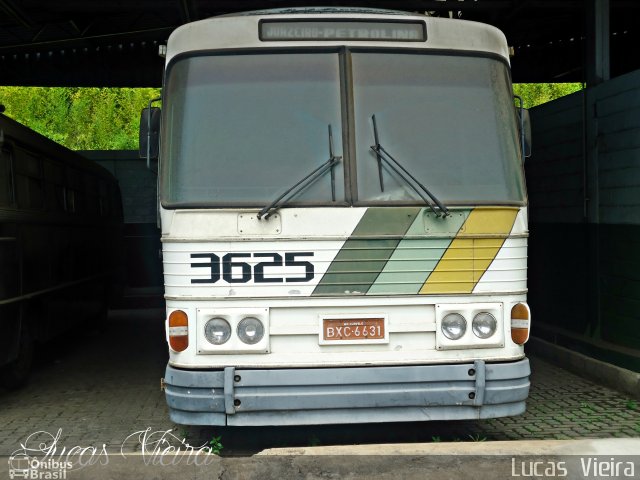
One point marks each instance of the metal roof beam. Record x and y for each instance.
(187, 11)
(16, 13)
(83, 40)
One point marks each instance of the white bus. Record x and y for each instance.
(344, 220)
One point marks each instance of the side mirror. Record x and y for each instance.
(149, 134)
(524, 126)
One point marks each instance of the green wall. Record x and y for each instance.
(584, 193)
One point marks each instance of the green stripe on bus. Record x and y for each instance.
(366, 252)
(416, 256)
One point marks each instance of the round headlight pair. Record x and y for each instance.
(454, 325)
(218, 331)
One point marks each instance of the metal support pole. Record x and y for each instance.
(598, 54)
(597, 72)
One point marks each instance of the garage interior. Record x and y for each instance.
(583, 178)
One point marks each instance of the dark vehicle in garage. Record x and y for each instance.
(60, 229)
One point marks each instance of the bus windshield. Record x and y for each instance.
(238, 130)
(450, 120)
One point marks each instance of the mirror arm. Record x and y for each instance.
(522, 135)
(151, 102)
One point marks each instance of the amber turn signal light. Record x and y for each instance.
(520, 323)
(178, 331)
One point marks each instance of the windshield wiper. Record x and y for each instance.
(267, 211)
(383, 155)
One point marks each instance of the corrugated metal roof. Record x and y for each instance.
(114, 42)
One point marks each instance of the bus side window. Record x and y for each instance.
(28, 178)
(54, 181)
(91, 194)
(5, 178)
(103, 194)
(74, 197)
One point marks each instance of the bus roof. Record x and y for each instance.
(317, 10)
(243, 31)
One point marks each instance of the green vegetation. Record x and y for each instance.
(80, 118)
(107, 118)
(184, 433)
(215, 445)
(534, 94)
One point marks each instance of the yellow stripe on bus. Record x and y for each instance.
(472, 251)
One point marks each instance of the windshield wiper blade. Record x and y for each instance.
(316, 173)
(333, 172)
(379, 157)
(383, 155)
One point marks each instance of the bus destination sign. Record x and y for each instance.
(405, 31)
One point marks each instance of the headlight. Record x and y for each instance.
(453, 326)
(250, 330)
(217, 331)
(484, 325)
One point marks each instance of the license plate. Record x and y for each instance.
(353, 330)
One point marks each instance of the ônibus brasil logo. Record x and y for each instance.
(23, 466)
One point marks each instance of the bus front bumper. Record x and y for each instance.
(305, 396)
